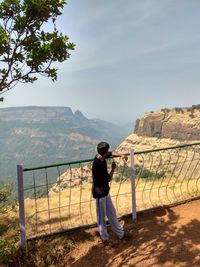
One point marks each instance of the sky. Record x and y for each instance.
(131, 57)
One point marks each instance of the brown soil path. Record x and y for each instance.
(167, 237)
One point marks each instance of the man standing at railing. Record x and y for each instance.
(100, 191)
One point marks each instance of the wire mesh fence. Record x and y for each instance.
(167, 176)
(58, 197)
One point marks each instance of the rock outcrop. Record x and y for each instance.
(179, 123)
(72, 177)
(164, 128)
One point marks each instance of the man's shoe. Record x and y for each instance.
(125, 237)
(105, 242)
(108, 243)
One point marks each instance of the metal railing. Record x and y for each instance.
(58, 197)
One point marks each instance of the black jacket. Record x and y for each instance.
(100, 177)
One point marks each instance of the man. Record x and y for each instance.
(100, 191)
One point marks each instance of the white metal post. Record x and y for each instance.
(134, 215)
(21, 204)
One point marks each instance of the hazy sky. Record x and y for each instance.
(131, 56)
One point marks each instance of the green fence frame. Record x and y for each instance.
(56, 198)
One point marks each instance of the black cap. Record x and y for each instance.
(102, 148)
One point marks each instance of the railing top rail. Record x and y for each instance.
(166, 148)
(57, 165)
(90, 160)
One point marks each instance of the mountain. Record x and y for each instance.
(48, 135)
(178, 123)
(165, 127)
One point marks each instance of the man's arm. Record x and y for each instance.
(124, 157)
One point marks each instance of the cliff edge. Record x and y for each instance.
(178, 123)
(165, 127)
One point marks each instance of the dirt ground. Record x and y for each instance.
(164, 237)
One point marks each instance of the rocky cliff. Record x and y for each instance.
(179, 123)
(166, 127)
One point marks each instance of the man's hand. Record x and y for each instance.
(125, 158)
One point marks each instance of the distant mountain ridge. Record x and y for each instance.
(47, 135)
(42, 114)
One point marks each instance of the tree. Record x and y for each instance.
(26, 49)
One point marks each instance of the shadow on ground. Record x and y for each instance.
(159, 238)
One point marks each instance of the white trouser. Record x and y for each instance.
(105, 208)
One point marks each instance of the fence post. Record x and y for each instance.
(134, 215)
(21, 204)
